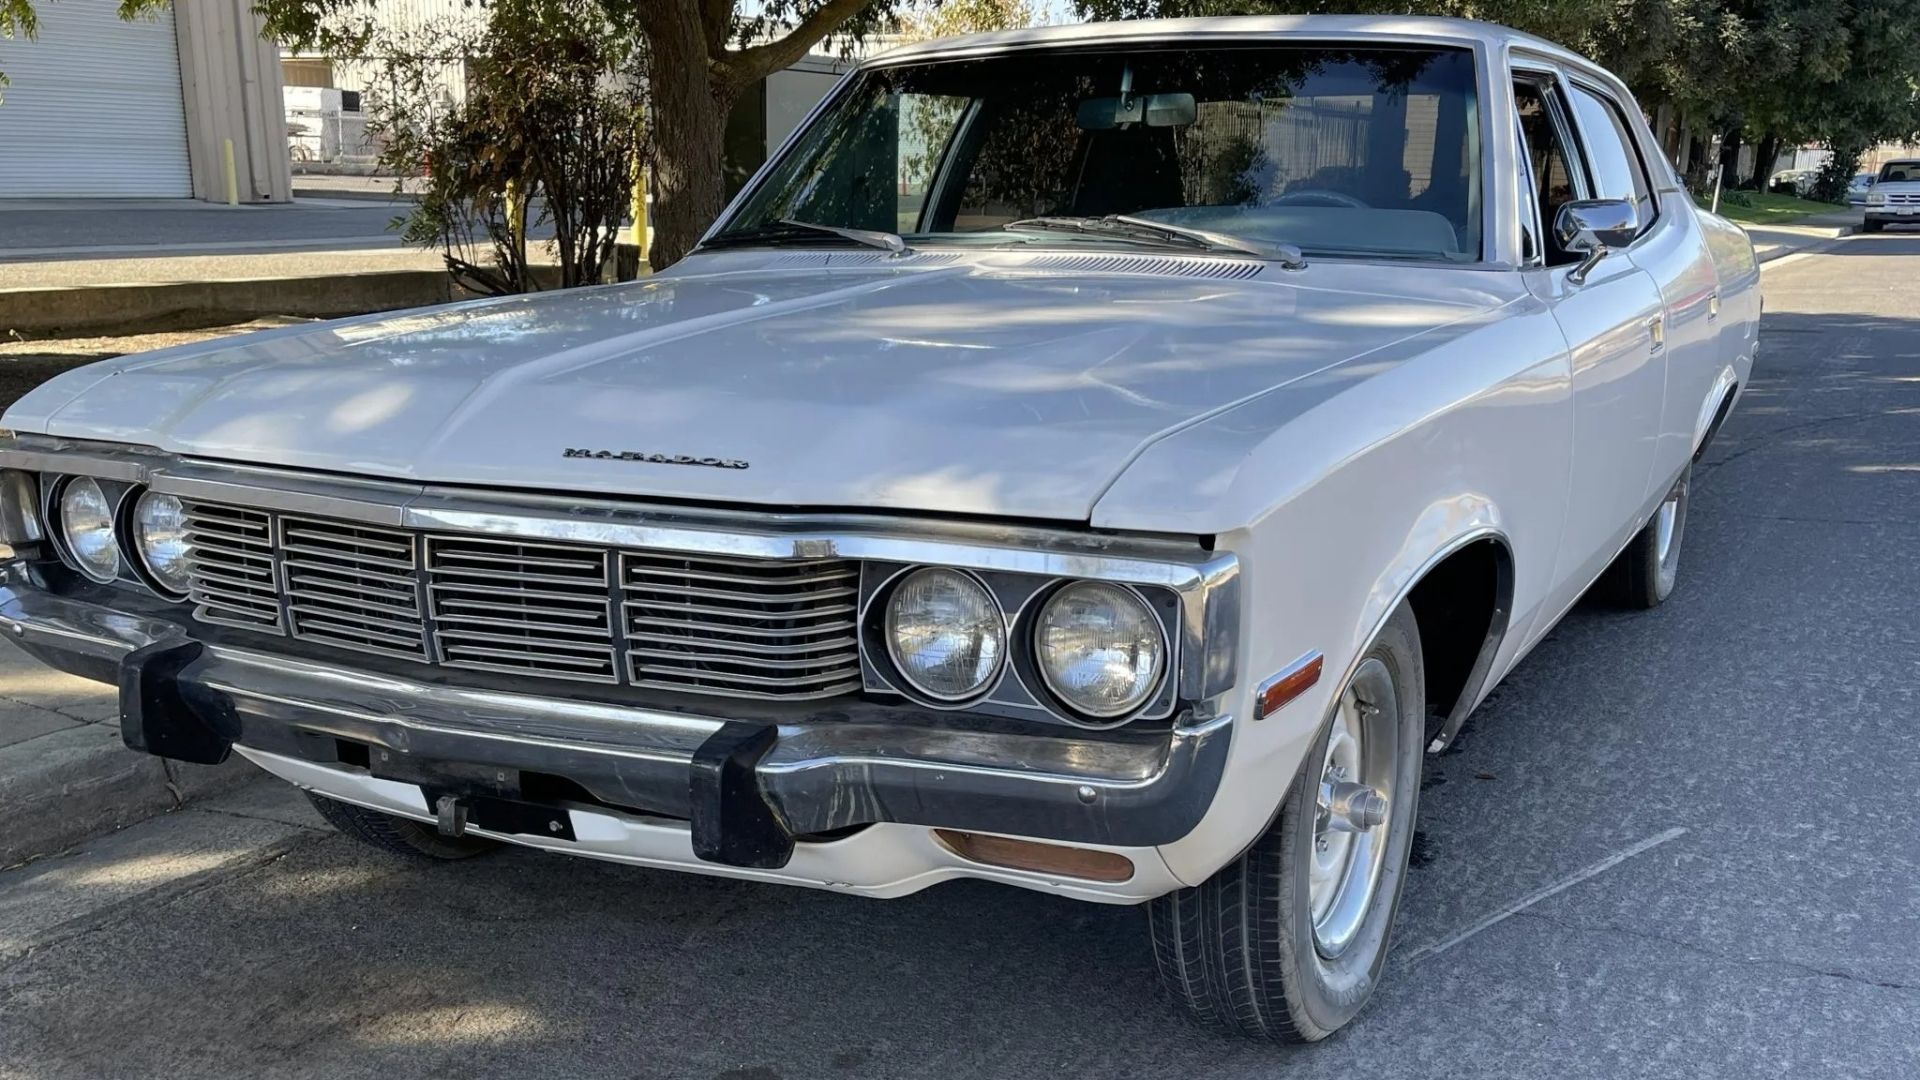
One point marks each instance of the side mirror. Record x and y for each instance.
(1593, 227)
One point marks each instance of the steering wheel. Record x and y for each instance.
(1319, 197)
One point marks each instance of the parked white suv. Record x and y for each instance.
(1895, 196)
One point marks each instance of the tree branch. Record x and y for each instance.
(750, 65)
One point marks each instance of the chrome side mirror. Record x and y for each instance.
(1593, 227)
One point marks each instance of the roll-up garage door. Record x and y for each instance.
(94, 108)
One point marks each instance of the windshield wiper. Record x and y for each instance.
(788, 228)
(1286, 255)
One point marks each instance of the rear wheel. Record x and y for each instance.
(1645, 573)
(397, 834)
(1287, 941)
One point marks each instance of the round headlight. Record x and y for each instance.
(1099, 648)
(945, 634)
(86, 522)
(160, 536)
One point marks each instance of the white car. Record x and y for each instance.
(1894, 198)
(1098, 459)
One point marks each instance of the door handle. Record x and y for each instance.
(1713, 306)
(1657, 328)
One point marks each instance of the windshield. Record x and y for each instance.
(1371, 152)
(1896, 172)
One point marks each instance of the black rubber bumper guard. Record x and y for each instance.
(168, 715)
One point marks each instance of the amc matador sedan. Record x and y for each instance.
(1100, 459)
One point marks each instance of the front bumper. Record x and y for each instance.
(845, 800)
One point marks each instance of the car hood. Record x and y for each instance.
(1007, 385)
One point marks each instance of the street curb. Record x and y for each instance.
(85, 310)
(358, 196)
(1784, 250)
(66, 786)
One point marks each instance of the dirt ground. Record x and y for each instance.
(26, 363)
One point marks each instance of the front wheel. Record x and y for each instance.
(1872, 226)
(1287, 942)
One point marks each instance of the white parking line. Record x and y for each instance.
(1426, 952)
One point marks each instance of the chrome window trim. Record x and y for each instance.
(1207, 582)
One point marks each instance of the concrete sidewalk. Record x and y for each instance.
(1777, 241)
(65, 775)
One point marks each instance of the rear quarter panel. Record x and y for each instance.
(1741, 302)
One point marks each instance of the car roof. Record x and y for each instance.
(1387, 28)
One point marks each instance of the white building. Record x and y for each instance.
(101, 107)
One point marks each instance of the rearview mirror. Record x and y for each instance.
(1153, 110)
(1592, 227)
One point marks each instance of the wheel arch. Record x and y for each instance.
(1463, 604)
(1714, 409)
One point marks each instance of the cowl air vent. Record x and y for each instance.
(818, 260)
(1156, 265)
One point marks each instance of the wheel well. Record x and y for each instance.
(1461, 607)
(1719, 417)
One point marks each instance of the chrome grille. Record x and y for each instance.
(524, 608)
(763, 628)
(745, 627)
(231, 562)
(353, 586)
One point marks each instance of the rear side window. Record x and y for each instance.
(1615, 164)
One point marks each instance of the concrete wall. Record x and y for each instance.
(231, 82)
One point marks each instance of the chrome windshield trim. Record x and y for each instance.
(1207, 581)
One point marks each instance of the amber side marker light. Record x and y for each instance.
(1297, 679)
(1013, 854)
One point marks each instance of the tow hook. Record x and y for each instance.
(451, 816)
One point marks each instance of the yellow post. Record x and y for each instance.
(233, 180)
(639, 197)
(516, 213)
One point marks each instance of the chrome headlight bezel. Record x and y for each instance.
(1876, 198)
(106, 520)
(1184, 619)
(1154, 631)
(141, 551)
(996, 626)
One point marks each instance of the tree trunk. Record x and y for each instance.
(1730, 159)
(689, 126)
(1763, 161)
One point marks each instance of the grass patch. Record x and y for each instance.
(1769, 209)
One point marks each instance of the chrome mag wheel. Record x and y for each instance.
(1669, 525)
(1354, 805)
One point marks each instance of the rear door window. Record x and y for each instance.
(1614, 162)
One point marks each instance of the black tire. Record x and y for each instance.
(1238, 952)
(397, 834)
(1640, 578)
(1872, 226)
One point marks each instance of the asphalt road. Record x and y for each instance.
(1676, 844)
